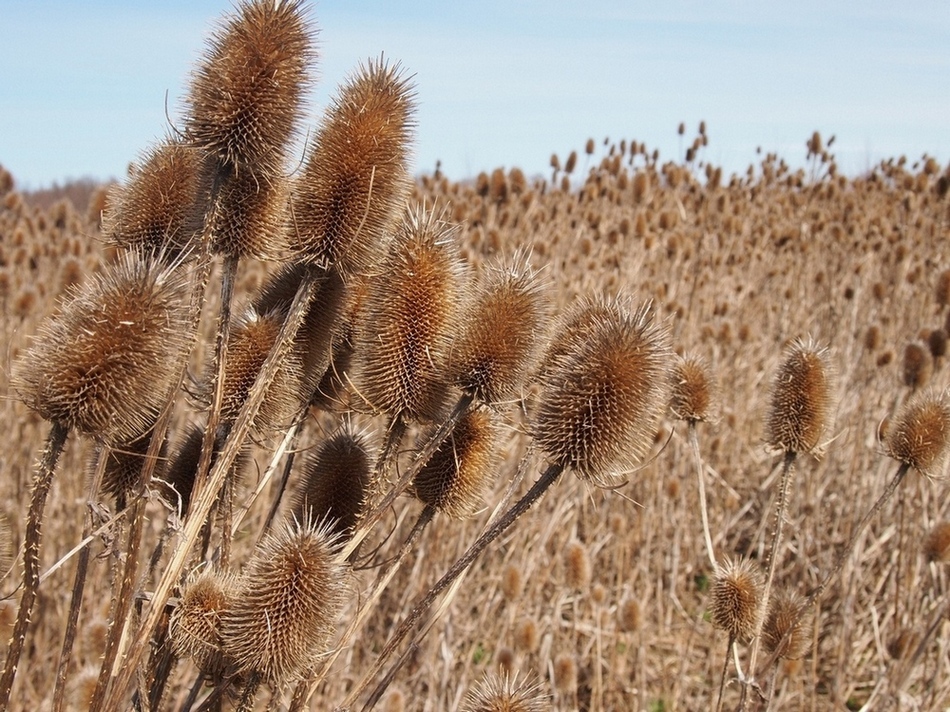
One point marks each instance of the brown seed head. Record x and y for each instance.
(409, 321)
(692, 388)
(158, 207)
(246, 96)
(628, 615)
(527, 636)
(937, 544)
(252, 338)
(577, 567)
(605, 383)
(736, 595)
(103, 363)
(335, 481)
(565, 672)
(919, 433)
(512, 582)
(942, 290)
(178, 480)
(291, 598)
(783, 616)
(801, 403)
(251, 216)
(504, 693)
(455, 478)
(124, 466)
(503, 334)
(355, 180)
(937, 342)
(195, 625)
(917, 366)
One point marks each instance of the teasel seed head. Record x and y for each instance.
(251, 217)
(919, 433)
(917, 365)
(335, 481)
(124, 466)
(178, 479)
(512, 582)
(321, 325)
(410, 319)
(252, 338)
(505, 693)
(457, 475)
(692, 389)
(605, 384)
(103, 363)
(628, 615)
(246, 96)
(158, 209)
(577, 566)
(736, 598)
(195, 624)
(291, 598)
(801, 403)
(565, 673)
(355, 180)
(503, 334)
(936, 546)
(785, 617)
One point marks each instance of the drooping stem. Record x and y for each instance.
(548, 478)
(79, 583)
(31, 556)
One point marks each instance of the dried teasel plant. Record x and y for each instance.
(195, 624)
(103, 365)
(506, 693)
(603, 391)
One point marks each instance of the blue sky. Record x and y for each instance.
(505, 83)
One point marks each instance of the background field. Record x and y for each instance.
(602, 594)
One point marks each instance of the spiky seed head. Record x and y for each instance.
(577, 567)
(917, 365)
(292, 595)
(565, 672)
(605, 384)
(512, 582)
(251, 216)
(103, 363)
(527, 635)
(801, 402)
(787, 617)
(252, 338)
(158, 208)
(457, 475)
(736, 598)
(246, 96)
(355, 180)
(937, 343)
(335, 481)
(919, 433)
(628, 615)
(503, 334)
(321, 324)
(178, 479)
(195, 624)
(505, 693)
(410, 320)
(124, 466)
(692, 388)
(936, 546)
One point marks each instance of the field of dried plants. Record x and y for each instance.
(653, 329)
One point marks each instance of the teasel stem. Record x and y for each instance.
(42, 481)
(548, 478)
(788, 465)
(842, 557)
(704, 511)
(79, 583)
(725, 669)
(206, 493)
(250, 692)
